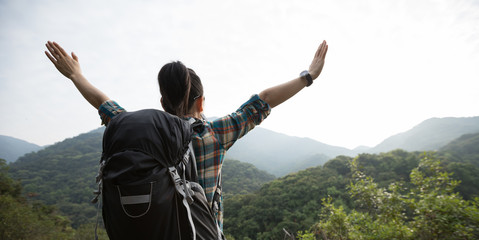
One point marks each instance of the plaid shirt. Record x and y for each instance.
(212, 143)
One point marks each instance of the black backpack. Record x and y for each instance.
(148, 180)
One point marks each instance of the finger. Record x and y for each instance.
(57, 53)
(52, 52)
(62, 51)
(325, 51)
(50, 57)
(49, 47)
(318, 51)
(321, 48)
(74, 56)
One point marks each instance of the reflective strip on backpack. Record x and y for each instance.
(135, 199)
(138, 199)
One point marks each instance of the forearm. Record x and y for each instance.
(92, 94)
(276, 95)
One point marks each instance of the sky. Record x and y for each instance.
(390, 64)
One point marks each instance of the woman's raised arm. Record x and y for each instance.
(280, 93)
(70, 68)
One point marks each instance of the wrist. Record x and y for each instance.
(75, 76)
(306, 76)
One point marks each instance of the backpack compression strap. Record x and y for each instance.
(217, 195)
(184, 189)
(99, 182)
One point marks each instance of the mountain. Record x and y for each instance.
(11, 148)
(432, 134)
(280, 154)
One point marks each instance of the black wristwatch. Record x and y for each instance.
(305, 74)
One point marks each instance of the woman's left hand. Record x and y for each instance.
(318, 61)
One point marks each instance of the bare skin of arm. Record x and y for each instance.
(70, 68)
(276, 95)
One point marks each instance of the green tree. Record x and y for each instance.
(439, 212)
(429, 210)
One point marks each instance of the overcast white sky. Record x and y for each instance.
(390, 64)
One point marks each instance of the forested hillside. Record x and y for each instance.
(461, 157)
(242, 178)
(63, 175)
(294, 202)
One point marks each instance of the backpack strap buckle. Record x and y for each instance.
(181, 185)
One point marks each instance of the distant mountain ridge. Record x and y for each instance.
(431, 134)
(281, 154)
(12, 148)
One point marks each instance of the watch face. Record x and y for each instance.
(305, 74)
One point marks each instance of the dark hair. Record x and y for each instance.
(179, 88)
(174, 81)
(196, 89)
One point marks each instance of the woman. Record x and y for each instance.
(182, 95)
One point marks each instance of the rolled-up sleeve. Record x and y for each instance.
(108, 110)
(234, 126)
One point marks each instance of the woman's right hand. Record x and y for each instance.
(66, 65)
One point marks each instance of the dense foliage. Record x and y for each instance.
(430, 209)
(23, 219)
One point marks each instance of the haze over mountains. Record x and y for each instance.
(280, 154)
(11, 148)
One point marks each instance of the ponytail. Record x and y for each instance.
(175, 84)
